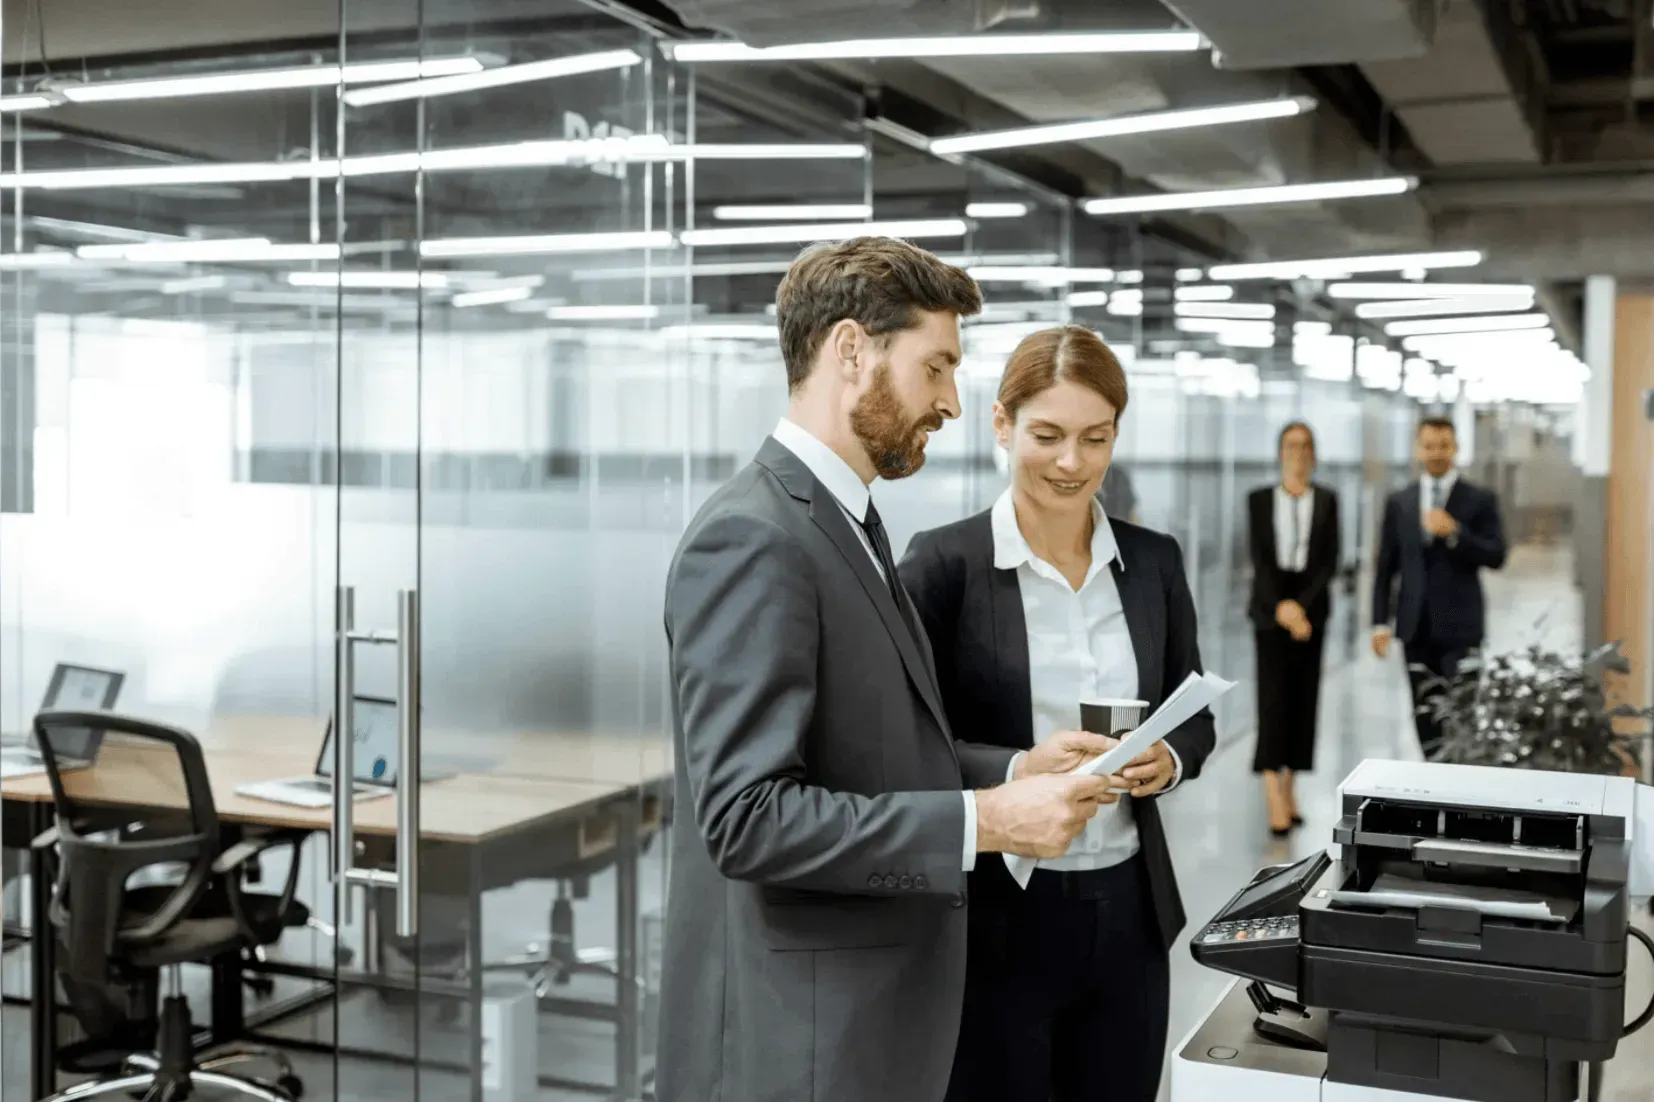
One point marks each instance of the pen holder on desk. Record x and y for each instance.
(1112, 715)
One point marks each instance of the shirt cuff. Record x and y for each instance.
(1011, 766)
(970, 831)
(1177, 769)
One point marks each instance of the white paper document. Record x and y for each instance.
(1197, 691)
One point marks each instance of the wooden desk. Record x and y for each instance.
(551, 799)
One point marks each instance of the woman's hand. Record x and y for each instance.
(1150, 771)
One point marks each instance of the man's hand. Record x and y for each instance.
(1038, 816)
(1381, 642)
(1291, 616)
(1061, 752)
(1439, 524)
(1150, 771)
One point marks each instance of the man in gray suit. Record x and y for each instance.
(826, 818)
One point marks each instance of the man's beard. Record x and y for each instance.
(889, 437)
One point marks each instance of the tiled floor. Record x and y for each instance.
(1217, 831)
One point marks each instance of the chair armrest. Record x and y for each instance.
(233, 859)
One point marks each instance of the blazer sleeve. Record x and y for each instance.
(937, 587)
(1326, 567)
(1481, 539)
(742, 621)
(1195, 738)
(1260, 520)
(1388, 562)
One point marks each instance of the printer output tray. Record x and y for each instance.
(1564, 942)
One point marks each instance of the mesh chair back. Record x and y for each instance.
(130, 795)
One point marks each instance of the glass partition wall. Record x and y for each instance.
(384, 391)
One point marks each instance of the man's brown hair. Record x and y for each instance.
(880, 282)
(1070, 352)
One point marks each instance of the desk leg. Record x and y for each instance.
(229, 1009)
(42, 965)
(628, 1007)
(473, 1016)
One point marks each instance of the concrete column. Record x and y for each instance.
(1629, 575)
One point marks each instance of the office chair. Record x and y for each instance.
(130, 795)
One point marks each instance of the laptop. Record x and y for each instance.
(375, 762)
(75, 689)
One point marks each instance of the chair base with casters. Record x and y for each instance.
(174, 1070)
(557, 961)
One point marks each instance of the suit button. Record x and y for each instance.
(906, 881)
(958, 900)
(921, 883)
(890, 881)
(875, 881)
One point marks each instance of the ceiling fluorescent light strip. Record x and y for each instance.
(1439, 307)
(986, 45)
(26, 101)
(491, 297)
(504, 75)
(1497, 324)
(266, 80)
(1412, 290)
(382, 281)
(996, 210)
(1251, 196)
(1147, 123)
(617, 312)
(642, 147)
(1348, 265)
(823, 231)
(1254, 311)
(1043, 274)
(780, 212)
(532, 244)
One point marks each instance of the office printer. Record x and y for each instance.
(1465, 937)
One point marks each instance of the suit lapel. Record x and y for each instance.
(1010, 644)
(1263, 519)
(831, 519)
(1136, 600)
(1412, 526)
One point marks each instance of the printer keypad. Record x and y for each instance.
(1251, 929)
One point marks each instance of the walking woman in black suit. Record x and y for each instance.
(1295, 546)
(1031, 607)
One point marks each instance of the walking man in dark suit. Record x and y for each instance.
(826, 817)
(1436, 535)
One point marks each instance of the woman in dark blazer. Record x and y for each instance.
(1031, 607)
(1293, 536)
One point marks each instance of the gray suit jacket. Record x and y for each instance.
(815, 933)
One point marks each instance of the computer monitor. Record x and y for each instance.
(79, 689)
(375, 754)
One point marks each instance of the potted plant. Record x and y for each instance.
(1537, 709)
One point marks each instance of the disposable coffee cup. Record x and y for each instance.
(1113, 716)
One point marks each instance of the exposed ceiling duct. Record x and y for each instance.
(1555, 243)
(772, 22)
(1459, 102)
(1278, 34)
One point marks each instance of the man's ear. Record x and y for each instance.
(845, 341)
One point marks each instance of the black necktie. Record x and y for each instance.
(874, 527)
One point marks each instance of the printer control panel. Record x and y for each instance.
(1281, 928)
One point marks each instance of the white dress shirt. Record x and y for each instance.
(1079, 647)
(853, 496)
(1292, 520)
(1441, 487)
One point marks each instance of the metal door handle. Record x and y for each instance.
(344, 741)
(407, 766)
(405, 880)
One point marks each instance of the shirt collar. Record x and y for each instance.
(828, 466)
(1445, 483)
(1011, 550)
